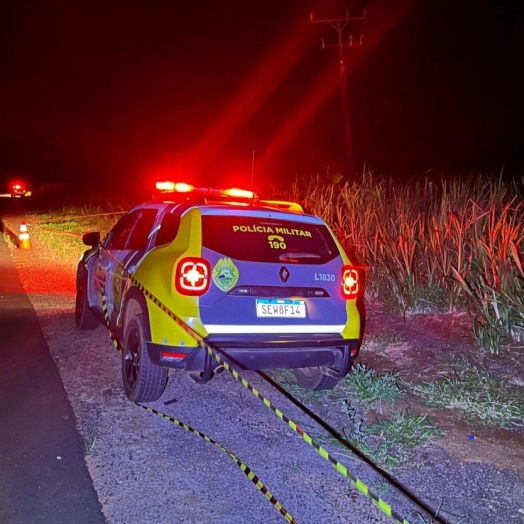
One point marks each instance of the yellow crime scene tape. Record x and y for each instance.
(218, 355)
(250, 474)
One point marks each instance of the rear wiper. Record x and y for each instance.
(287, 256)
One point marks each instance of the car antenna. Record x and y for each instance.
(252, 169)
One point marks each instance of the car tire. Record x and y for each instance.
(143, 381)
(84, 317)
(314, 379)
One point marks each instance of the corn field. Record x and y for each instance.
(434, 246)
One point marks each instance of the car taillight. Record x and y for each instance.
(192, 276)
(350, 282)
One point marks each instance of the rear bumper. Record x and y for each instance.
(260, 352)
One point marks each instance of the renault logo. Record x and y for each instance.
(284, 274)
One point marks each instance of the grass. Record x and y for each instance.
(292, 471)
(388, 441)
(405, 429)
(476, 394)
(368, 389)
(90, 445)
(57, 230)
(381, 487)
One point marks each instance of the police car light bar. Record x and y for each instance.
(242, 194)
(239, 193)
(165, 186)
(181, 187)
(293, 207)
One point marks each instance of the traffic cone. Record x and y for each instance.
(23, 239)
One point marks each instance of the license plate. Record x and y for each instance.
(281, 308)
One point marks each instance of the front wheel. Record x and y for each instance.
(143, 381)
(314, 379)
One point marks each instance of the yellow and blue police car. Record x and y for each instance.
(264, 283)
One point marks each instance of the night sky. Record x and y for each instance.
(140, 90)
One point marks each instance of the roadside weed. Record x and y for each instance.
(389, 441)
(488, 335)
(62, 232)
(381, 487)
(368, 388)
(90, 444)
(476, 394)
(294, 470)
(405, 429)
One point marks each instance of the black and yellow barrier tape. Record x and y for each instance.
(114, 340)
(248, 472)
(218, 355)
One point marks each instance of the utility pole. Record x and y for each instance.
(339, 24)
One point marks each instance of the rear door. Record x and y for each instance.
(272, 272)
(121, 253)
(137, 244)
(107, 259)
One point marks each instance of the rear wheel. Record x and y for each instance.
(314, 379)
(84, 317)
(143, 381)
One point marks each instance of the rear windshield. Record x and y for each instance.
(268, 240)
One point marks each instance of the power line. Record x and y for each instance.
(339, 24)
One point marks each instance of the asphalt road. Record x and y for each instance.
(43, 476)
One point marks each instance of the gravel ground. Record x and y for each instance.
(146, 470)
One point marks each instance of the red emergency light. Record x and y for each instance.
(181, 187)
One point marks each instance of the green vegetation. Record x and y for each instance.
(62, 230)
(369, 389)
(391, 437)
(376, 423)
(90, 445)
(476, 394)
(434, 246)
(381, 487)
(389, 441)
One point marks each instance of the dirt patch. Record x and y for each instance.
(421, 348)
(502, 449)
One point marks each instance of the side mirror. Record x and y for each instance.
(91, 239)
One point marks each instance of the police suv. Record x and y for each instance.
(261, 282)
